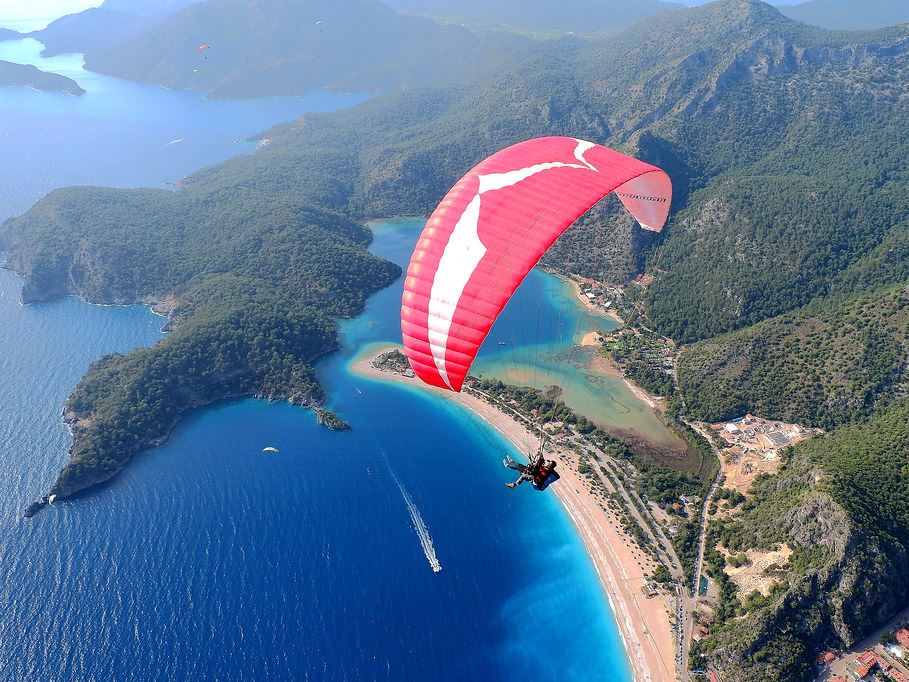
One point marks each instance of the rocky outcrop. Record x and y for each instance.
(854, 581)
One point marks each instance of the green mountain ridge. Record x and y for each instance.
(290, 47)
(824, 365)
(103, 27)
(787, 145)
(26, 75)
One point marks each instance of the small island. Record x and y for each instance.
(28, 76)
(330, 420)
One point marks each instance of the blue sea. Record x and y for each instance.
(207, 559)
(122, 134)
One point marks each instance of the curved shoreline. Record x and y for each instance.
(644, 624)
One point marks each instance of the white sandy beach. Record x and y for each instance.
(622, 568)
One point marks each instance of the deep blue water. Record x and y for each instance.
(121, 134)
(209, 560)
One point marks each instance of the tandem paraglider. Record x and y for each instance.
(540, 472)
(489, 232)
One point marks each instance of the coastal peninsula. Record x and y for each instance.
(28, 76)
(240, 324)
(778, 291)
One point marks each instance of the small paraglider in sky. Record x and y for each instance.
(319, 23)
(270, 449)
(195, 72)
(204, 47)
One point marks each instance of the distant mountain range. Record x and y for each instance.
(295, 46)
(576, 15)
(289, 47)
(98, 28)
(850, 14)
(600, 15)
(783, 270)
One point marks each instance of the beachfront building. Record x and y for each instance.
(866, 666)
(902, 637)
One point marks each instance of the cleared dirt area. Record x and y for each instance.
(751, 445)
(752, 576)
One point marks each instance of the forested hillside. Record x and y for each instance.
(787, 146)
(256, 284)
(103, 27)
(290, 47)
(27, 76)
(788, 149)
(841, 503)
(827, 364)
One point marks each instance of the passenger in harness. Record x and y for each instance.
(540, 472)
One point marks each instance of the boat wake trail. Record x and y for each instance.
(420, 527)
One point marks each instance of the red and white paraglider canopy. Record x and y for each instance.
(493, 227)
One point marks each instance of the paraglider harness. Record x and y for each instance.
(543, 473)
(539, 472)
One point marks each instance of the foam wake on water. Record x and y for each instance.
(419, 526)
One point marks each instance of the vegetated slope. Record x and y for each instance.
(842, 504)
(787, 146)
(257, 286)
(103, 27)
(290, 47)
(763, 123)
(26, 75)
(94, 28)
(575, 15)
(714, 94)
(826, 364)
(808, 177)
(850, 15)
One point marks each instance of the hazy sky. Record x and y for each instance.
(30, 15)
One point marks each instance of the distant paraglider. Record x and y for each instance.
(270, 449)
(204, 47)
